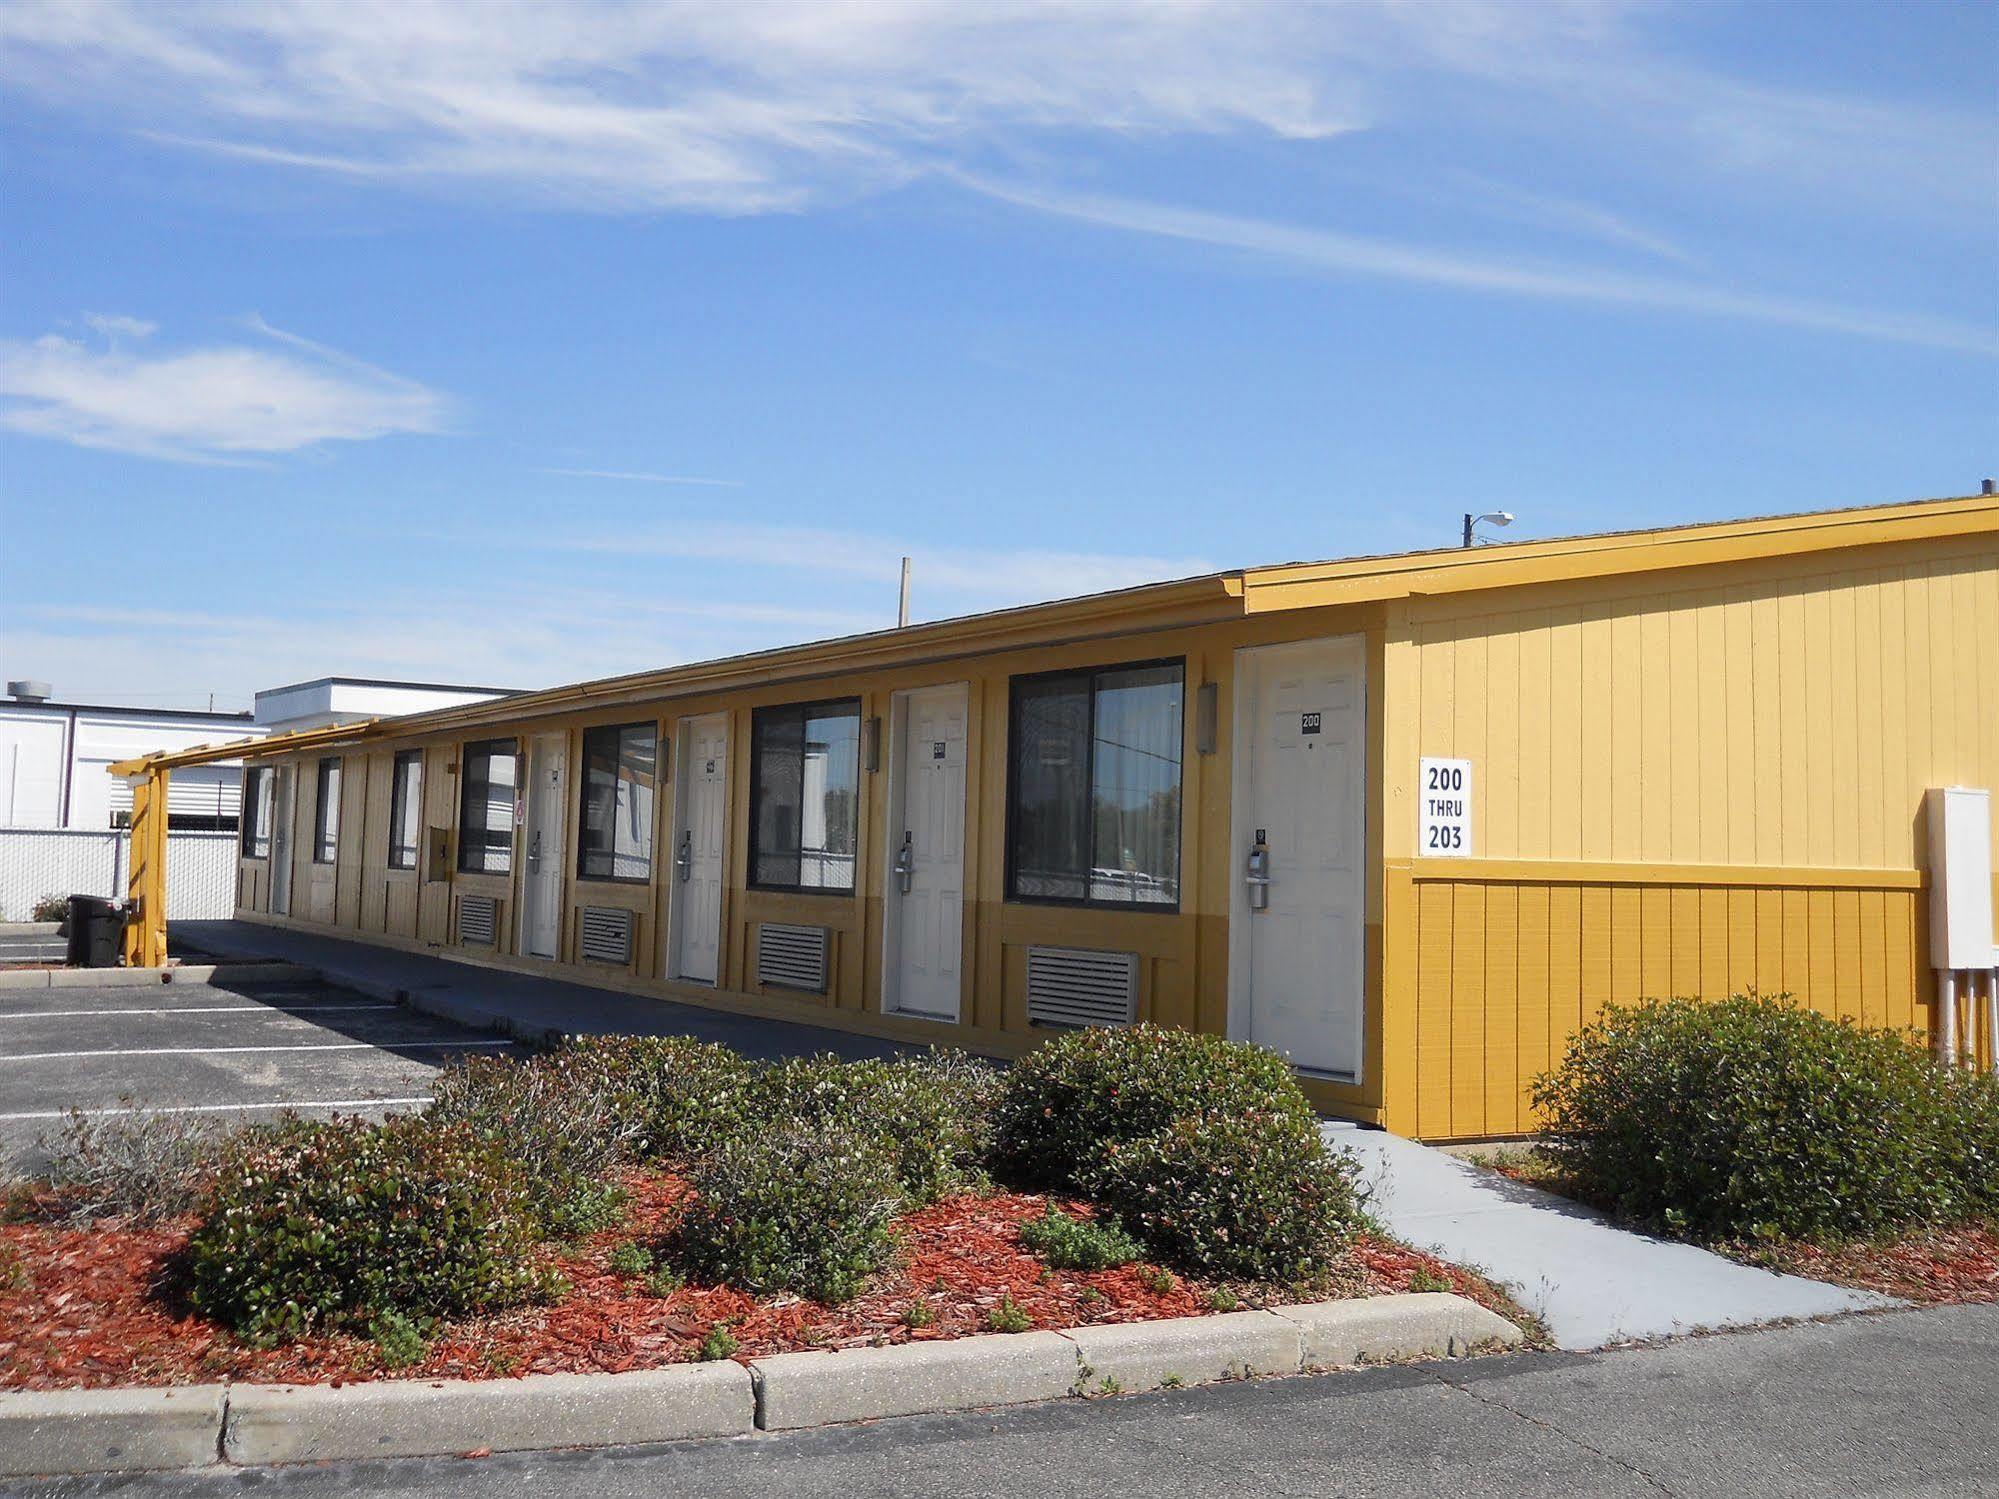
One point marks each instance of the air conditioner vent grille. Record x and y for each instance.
(607, 935)
(793, 957)
(478, 915)
(1069, 987)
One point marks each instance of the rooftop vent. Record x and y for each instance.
(29, 692)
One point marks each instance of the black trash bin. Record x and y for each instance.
(96, 929)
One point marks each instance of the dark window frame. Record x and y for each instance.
(397, 805)
(512, 745)
(320, 854)
(1090, 674)
(618, 730)
(805, 710)
(258, 788)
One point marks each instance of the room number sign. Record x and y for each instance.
(1443, 800)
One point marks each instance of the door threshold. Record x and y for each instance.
(923, 1015)
(1326, 1074)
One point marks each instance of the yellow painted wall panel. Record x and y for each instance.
(1435, 929)
(1502, 1011)
(1466, 1001)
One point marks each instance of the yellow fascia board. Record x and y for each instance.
(1580, 872)
(234, 749)
(1513, 564)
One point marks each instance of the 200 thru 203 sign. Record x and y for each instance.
(1443, 801)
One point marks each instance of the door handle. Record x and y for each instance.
(534, 852)
(684, 860)
(905, 863)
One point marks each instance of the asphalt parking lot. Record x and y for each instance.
(229, 1049)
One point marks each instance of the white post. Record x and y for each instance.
(902, 609)
(1992, 1020)
(1947, 1017)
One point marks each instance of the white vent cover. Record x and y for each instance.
(793, 956)
(477, 915)
(1068, 986)
(607, 935)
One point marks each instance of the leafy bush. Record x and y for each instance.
(930, 1116)
(562, 1117)
(398, 1341)
(343, 1221)
(142, 1167)
(1071, 1243)
(790, 1210)
(630, 1260)
(1254, 1195)
(1069, 1102)
(676, 1097)
(1754, 1118)
(51, 908)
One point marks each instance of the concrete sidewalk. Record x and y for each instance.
(1591, 1282)
(516, 1004)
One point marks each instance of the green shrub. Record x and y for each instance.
(676, 1096)
(1254, 1195)
(799, 1210)
(1071, 1243)
(1757, 1118)
(563, 1118)
(398, 1341)
(631, 1261)
(716, 1344)
(343, 1221)
(13, 1270)
(930, 1116)
(51, 908)
(1066, 1104)
(1009, 1315)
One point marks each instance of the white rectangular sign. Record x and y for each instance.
(1443, 801)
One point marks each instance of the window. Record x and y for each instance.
(326, 813)
(405, 809)
(1093, 801)
(804, 791)
(486, 806)
(256, 839)
(619, 762)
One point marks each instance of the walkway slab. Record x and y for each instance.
(1591, 1282)
(523, 1005)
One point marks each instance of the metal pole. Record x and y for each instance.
(902, 609)
(1467, 541)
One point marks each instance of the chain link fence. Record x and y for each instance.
(34, 862)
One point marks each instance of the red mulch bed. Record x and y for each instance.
(100, 1305)
(1935, 1267)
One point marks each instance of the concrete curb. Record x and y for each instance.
(110, 1431)
(129, 1430)
(1131, 1356)
(146, 978)
(1379, 1330)
(314, 1423)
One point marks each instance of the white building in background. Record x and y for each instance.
(53, 759)
(308, 705)
(53, 755)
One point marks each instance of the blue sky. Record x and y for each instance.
(523, 344)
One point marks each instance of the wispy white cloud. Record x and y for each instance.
(971, 578)
(641, 478)
(222, 404)
(1333, 252)
(721, 106)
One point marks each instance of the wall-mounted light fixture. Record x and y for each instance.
(871, 744)
(1207, 711)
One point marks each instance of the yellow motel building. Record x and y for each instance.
(1410, 820)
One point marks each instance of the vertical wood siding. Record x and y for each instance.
(1507, 971)
(1789, 720)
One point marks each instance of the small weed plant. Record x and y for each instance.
(1009, 1316)
(1070, 1243)
(399, 1342)
(716, 1344)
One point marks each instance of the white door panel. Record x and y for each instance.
(925, 927)
(1300, 767)
(285, 808)
(701, 818)
(547, 850)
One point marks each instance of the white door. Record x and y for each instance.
(541, 892)
(925, 898)
(700, 834)
(1296, 962)
(284, 808)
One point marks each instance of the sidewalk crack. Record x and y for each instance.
(1564, 1433)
